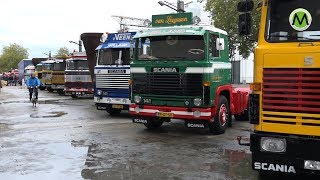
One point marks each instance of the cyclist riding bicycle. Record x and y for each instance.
(33, 84)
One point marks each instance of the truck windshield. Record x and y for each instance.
(29, 71)
(77, 65)
(59, 66)
(180, 47)
(48, 66)
(39, 68)
(293, 21)
(114, 57)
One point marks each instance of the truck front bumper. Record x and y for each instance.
(78, 91)
(119, 103)
(57, 87)
(176, 112)
(298, 152)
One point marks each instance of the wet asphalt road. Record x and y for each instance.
(65, 138)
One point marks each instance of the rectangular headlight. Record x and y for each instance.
(273, 144)
(312, 165)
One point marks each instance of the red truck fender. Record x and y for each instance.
(222, 90)
(238, 98)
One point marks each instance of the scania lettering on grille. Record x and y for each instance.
(117, 71)
(274, 167)
(175, 70)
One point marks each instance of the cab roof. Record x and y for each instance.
(178, 30)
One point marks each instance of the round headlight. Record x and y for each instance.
(273, 144)
(137, 109)
(197, 102)
(197, 114)
(137, 99)
(187, 103)
(99, 92)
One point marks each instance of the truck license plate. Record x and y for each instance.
(165, 114)
(115, 106)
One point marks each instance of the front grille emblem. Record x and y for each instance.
(308, 61)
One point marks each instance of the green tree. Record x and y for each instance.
(225, 16)
(62, 52)
(11, 56)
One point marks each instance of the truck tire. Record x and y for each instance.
(154, 123)
(60, 92)
(74, 96)
(113, 111)
(50, 89)
(242, 117)
(222, 117)
(42, 88)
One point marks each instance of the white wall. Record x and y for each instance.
(246, 68)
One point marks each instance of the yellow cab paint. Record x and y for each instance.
(284, 55)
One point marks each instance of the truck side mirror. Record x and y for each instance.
(244, 24)
(131, 52)
(245, 6)
(220, 44)
(131, 48)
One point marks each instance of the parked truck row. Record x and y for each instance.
(179, 69)
(168, 71)
(68, 76)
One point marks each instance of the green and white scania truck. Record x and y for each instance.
(181, 70)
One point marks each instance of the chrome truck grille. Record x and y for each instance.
(112, 81)
(173, 84)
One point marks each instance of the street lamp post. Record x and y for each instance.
(79, 44)
(179, 7)
(49, 55)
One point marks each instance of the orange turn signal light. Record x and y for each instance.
(255, 86)
(206, 83)
(129, 81)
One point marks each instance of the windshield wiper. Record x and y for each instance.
(148, 58)
(290, 36)
(172, 58)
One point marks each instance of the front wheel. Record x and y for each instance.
(113, 111)
(154, 123)
(222, 117)
(74, 96)
(60, 92)
(242, 117)
(50, 90)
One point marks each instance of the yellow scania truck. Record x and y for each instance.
(285, 94)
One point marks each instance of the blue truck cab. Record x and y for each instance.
(112, 73)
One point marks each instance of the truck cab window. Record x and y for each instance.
(213, 48)
(114, 57)
(293, 21)
(171, 47)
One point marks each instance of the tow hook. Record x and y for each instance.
(239, 138)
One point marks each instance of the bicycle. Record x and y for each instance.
(34, 97)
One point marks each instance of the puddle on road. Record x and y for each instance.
(60, 101)
(4, 127)
(48, 114)
(239, 164)
(53, 161)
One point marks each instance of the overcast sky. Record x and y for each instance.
(41, 25)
